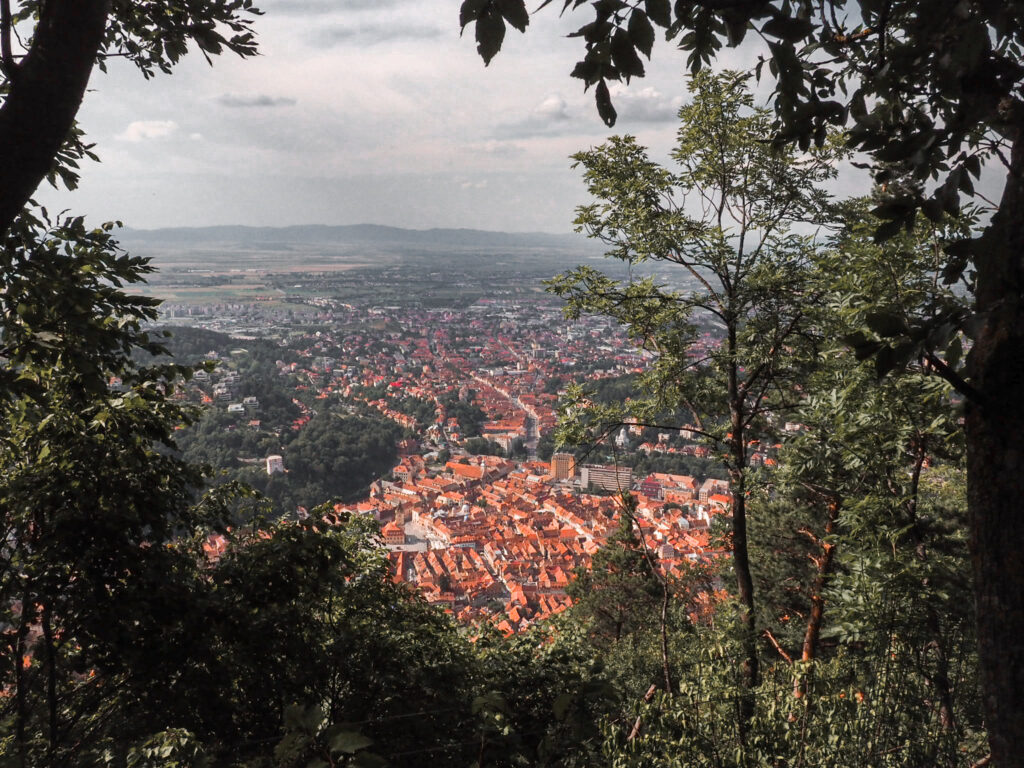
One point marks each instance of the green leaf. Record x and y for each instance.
(886, 323)
(562, 704)
(604, 104)
(514, 12)
(736, 26)
(350, 742)
(862, 347)
(933, 209)
(954, 352)
(293, 716)
(887, 230)
(312, 718)
(641, 33)
(624, 55)
(490, 33)
(489, 702)
(788, 28)
(659, 11)
(470, 11)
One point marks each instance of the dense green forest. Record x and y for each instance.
(871, 611)
(334, 456)
(470, 417)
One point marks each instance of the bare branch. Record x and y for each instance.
(767, 634)
(958, 383)
(639, 718)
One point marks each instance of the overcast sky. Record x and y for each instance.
(361, 111)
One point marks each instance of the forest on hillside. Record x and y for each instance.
(336, 455)
(871, 610)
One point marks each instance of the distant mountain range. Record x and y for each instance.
(354, 234)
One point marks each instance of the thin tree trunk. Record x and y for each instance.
(741, 563)
(940, 679)
(638, 723)
(824, 563)
(666, 667)
(51, 684)
(947, 715)
(995, 469)
(46, 90)
(20, 683)
(744, 581)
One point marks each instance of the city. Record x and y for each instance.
(494, 538)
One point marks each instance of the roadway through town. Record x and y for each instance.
(532, 434)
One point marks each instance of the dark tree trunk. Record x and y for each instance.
(940, 678)
(995, 469)
(21, 679)
(51, 685)
(46, 90)
(741, 564)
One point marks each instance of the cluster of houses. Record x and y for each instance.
(494, 540)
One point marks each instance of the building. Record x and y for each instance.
(608, 478)
(651, 488)
(712, 486)
(275, 464)
(563, 466)
(392, 534)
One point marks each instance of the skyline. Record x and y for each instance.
(372, 113)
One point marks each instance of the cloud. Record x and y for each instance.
(254, 100)
(550, 117)
(145, 130)
(372, 34)
(319, 7)
(645, 105)
(493, 148)
(552, 108)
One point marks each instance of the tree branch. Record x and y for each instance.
(39, 112)
(775, 644)
(639, 718)
(673, 427)
(958, 383)
(8, 66)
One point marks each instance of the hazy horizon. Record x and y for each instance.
(362, 112)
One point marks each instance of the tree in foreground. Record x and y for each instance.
(858, 549)
(928, 94)
(87, 500)
(44, 78)
(126, 639)
(724, 222)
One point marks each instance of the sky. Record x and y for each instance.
(363, 111)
